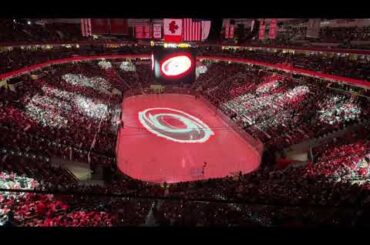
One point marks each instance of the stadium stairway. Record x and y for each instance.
(307, 145)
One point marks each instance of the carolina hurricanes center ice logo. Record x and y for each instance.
(175, 125)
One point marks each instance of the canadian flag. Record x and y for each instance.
(172, 30)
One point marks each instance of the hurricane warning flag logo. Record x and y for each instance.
(175, 125)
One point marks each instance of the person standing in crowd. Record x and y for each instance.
(204, 168)
(10, 221)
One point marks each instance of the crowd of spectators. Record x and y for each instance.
(337, 181)
(297, 33)
(344, 34)
(71, 110)
(17, 57)
(345, 157)
(23, 208)
(329, 64)
(335, 64)
(278, 109)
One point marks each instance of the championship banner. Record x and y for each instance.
(172, 30)
(273, 29)
(157, 31)
(86, 27)
(83, 28)
(225, 25)
(89, 30)
(229, 31)
(261, 34)
(119, 26)
(147, 31)
(206, 28)
(100, 26)
(139, 31)
(313, 28)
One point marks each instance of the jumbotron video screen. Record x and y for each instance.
(172, 66)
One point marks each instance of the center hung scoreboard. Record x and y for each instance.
(174, 65)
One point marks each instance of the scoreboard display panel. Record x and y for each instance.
(172, 65)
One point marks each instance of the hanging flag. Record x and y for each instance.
(157, 31)
(261, 34)
(225, 25)
(86, 27)
(139, 31)
(100, 26)
(252, 25)
(83, 31)
(229, 31)
(206, 28)
(273, 29)
(172, 29)
(147, 31)
(192, 30)
(313, 28)
(119, 26)
(83, 27)
(143, 31)
(89, 32)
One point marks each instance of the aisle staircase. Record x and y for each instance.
(311, 143)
